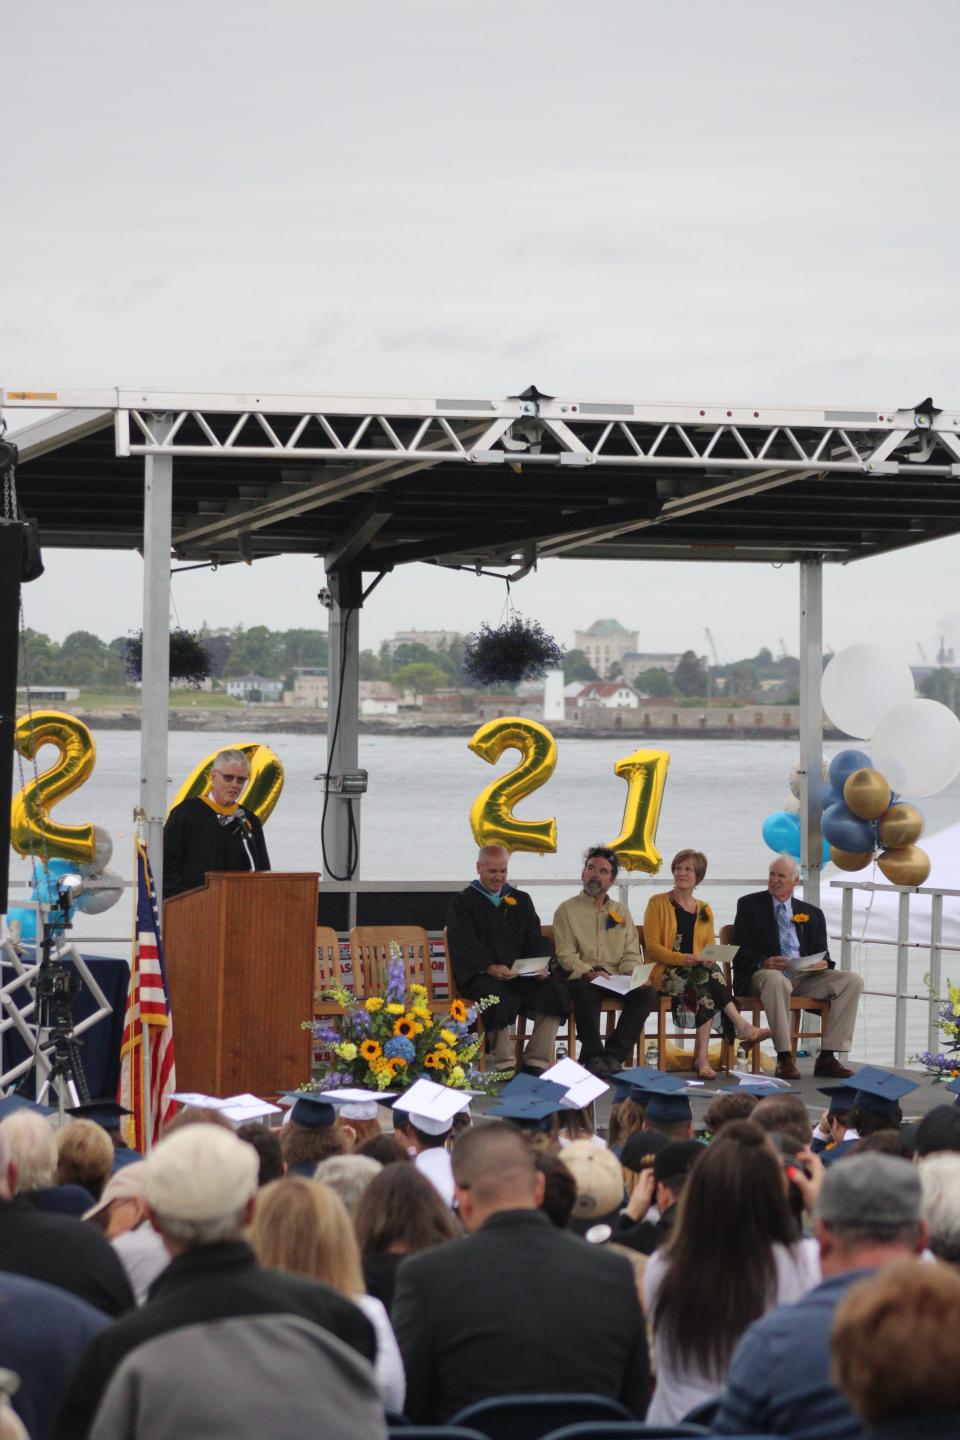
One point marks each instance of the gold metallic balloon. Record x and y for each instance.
(850, 859)
(645, 772)
(867, 794)
(905, 865)
(32, 832)
(262, 790)
(491, 815)
(902, 824)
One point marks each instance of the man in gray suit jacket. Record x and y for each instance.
(517, 1306)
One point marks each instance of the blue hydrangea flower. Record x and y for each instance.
(399, 1048)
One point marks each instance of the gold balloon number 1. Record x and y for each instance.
(494, 823)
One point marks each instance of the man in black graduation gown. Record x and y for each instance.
(213, 832)
(489, 926)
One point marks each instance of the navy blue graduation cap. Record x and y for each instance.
(667, 1099)
(10, 1104)
(311, 1109)
(530, 1103)
(758, 1090)
(106, 1113)
(633, 1084)
(880, 1090)
(842, 1097)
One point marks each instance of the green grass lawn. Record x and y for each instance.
(179, 700)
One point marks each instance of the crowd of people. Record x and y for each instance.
(767, 1274)
(736, 1276)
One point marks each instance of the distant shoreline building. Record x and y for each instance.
(432, 639)
(605, 644)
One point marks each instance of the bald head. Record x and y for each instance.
(494, 1169)
(492, 864)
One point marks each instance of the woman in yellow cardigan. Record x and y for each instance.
(676, 927)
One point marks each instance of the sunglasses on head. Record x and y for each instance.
(232, 779)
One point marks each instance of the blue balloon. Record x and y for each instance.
(28, 922)
(846, 831)
(829, 796)
(44, 884)
(843, 765)
(781, 831)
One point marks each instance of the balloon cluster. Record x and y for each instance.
(45, 889)
(861, 814)
(915, 745)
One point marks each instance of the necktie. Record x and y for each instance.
(784, 925)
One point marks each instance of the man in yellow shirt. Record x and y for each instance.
(595, 938)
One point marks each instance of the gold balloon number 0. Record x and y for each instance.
(33, 832)
(494, 823)
(262, 789)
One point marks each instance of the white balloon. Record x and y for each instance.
(791, 804)
(917, 747)
(860, 685)
(93, 901)
(102, 852)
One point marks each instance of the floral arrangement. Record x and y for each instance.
(386, 1042)
(189, 657)
(945, 1065)
(519, 650)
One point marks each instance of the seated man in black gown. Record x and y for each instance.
(213, 832)
(489, 926)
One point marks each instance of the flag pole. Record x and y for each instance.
(144, 1032)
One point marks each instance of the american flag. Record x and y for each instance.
(147, 1072)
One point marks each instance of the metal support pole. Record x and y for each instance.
(155, 689)
(903, 961)
(341, 826)
(846, 929)
(936, 958)
(811, 725)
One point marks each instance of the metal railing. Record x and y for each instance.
(903, 945)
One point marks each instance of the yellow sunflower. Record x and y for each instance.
(370, 1049)
(458, 1011)
(373, 1004)
(432, 1060)
(405, 1026)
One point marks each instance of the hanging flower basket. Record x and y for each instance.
(189, 658)
(519, 650)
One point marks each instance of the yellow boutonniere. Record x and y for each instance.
(799, 918)
(509, 899)
(705, 912)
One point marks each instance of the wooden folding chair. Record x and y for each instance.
(327, 972)
(370, 954)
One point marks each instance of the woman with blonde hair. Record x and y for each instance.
(676, 928)
(302, 1226)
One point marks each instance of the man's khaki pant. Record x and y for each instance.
(840, 987)
(540, 1047)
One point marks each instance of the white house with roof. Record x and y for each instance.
(605, 644)
(254, 689)
(610, 694)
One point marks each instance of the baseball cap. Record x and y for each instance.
(121, 1185)
(598, 1177)
(202, 1172)
(873, 1191)
(677, 1159)
(642, 1149)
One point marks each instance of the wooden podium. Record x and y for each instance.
(240, 954)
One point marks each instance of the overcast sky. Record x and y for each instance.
(742, 202)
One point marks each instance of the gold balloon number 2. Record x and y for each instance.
(32, 832)
(494, 823)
